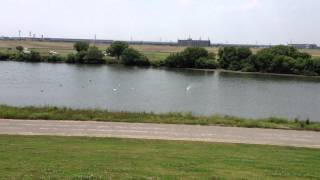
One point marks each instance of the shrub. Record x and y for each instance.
(79, 58)
(281, 64)
(285, 51)
(55, 59)
(110, 60)
(117, 48)
(205, 63)
(174, 60)
(212, 56)
(81, 46)
(232, 57)
(34, 56)
(191, 54)
(94, 56)
(262, 61)
(158, 63)
(71, 58)
(133, 57)
(4, 56)
(20, 48)
(187, 58)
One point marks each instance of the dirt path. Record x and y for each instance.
(162, 131)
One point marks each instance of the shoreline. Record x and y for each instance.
(63, 113)
(252, 73)
(193, 69)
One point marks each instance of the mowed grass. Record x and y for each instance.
(154, 52)
(55, 113)
(44, 157)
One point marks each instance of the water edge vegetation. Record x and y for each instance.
(56, 113)
(277, 59)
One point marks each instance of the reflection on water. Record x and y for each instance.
(120, 88)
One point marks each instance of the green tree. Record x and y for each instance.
(81, 46)
(117, 48)
(4, 56)
(34, 56)
(191, 54)
(232, 57)
(80, 57)
(281, 64)
(55, 58)
(94, 56)
(282, 50)
(205, 63)
(133, 57)
(71, 58)
(187, 58)
(174, 60)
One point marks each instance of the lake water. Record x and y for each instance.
(119, 88)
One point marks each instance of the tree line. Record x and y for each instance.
(278, 59)
(84, 54)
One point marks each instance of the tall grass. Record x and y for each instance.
(55, 113)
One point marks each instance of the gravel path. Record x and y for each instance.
(162, 131)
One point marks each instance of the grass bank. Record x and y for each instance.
(30, 157)
(55, 113)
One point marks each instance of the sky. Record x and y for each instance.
(221, 21)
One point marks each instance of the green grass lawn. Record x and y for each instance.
(156, 56)
(55, 113)
(43, 157)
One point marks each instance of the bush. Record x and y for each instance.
(212, 56)
(34, 56)
(191, 54)
(81, 46)
(110, 60)
(277, 59)
(117, 48)
(20, 48)
(79, 58)
(261, 61)
(205, 63)
(285, 51)
(232, 57)
(174, 60)
(281, 64)
(187, 58)
(4, 56)
(71, 58)
(158, 63)
(55, 59)
(94, 56)
(133, 57)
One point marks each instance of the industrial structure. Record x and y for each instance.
(188, 42)
(304, 46)
(197, 43)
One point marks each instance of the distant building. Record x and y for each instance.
(190, 42)
(304, 46)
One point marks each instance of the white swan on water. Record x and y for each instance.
(188, 88)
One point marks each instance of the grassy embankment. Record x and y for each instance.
(153, 52)
(53, 113)
(30, 157)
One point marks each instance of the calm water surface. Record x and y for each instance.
(119, 88)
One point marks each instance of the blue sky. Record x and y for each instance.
(232, 21)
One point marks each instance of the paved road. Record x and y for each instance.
(161, 131)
